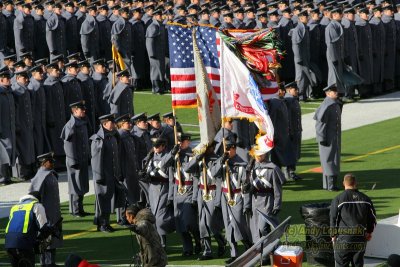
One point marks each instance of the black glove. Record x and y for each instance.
(141, 173)
(55, 52)
(150, 154)
(175, 149)
(217, 208)
(194, 204)
(170, 203)
(275, 211)
(323, 143)
(246, 187)
(76, 166)
(225, 157)
(248, 212)
(200, 157)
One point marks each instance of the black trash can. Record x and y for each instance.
(318, 248)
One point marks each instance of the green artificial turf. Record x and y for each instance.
(381, 168)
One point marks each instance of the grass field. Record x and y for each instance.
(371, 152)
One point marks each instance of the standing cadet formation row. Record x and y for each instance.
(57, 94)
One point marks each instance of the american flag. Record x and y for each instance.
(183, 80)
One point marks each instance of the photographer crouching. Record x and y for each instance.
(27, 227)
(142, 223)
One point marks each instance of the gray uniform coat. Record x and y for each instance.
(76, 147)
(46, 182)
(315, 46)
(139, 54)
(350, 44)
(236, 227)
(121, 99)
(156, 39)
(364, 37)
(41, 48)
(106, 170)
(90, 38)
(10, 31)
(104, 37)
(56, 34)
(7, 127)
(121, 36)
(390, 49)
(334, 40)
(38, 98)
(160, 191)
(55, 113)
(24, 33)
(72, 91)
(287, 72)
(324, 64)
(210, 218)
(378, 49)
(88, 94)
(23, 125)
(102, 92)
(295, 126)
(267, 179)
(71, 32)
(3, 40)
(129, 165)
(328, 131)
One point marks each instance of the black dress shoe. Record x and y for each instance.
(84, 213)
(333, 189)
(205, 257)
(106, 229)
(187, 253)
(197, 249)
(230, 260)
(295, 177)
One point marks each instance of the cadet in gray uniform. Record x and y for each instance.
(90, 35)
(46, 182)
(76, 147)
(88, 94)
(38, 100)
(56, 33)
(8, 12)
(295, 128)
(71, 85)
(287, 72)
(161, 194)
(3, 40)
(156, 43)
(106, 170)
(224, 132)
(7, 123)
(104, 33)
(235, 204)
(328, 131)
(266, 181)
(71, 28)
(121, 97)
(24, 30)
(390, 48)
(121, 36)
(102, 87)
(24, 126)
(185, 199)
(41, 49)
(207, 193)
(378, 49)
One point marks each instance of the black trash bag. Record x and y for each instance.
(319, 249)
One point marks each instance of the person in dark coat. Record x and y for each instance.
(148, 15)
(301, 52)
(41, 49)
(81, 14)
(328, 131)
(106, 170)
(287, 72)
(143, 146)
(23, 126)
(71, 85)
(121, 97)
(88, 94)
(317, 38)
(156, 39)
(351, 212)
(140, 59)
(266, 180)
(38, 103)
(250, 20)
(46, 183)
(279, 115)
(397, 69)
(121, 36)
(76, 147)
(55, 110)
(325, 20)
(185, 199)
(235, 204)
(351, 49)
(207, 194)
(378, 49)
(295, 128)
(104, 33)
(24, 30)
(364, 36)
(56, 33)
(71, 28)
(3, 40)
(334, 40)
(142, 224)
(160, 190)
(167, 130)
(7, 127)
(273, 18)
(8, 12)
(215, 15)
(90, 35)
(390, 48)
(102, 87)
(129, 164)
(227, 23)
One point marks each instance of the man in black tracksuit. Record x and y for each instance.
(352, 220)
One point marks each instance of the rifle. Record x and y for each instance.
(246, 186)
(46, 234)
(143, 175)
